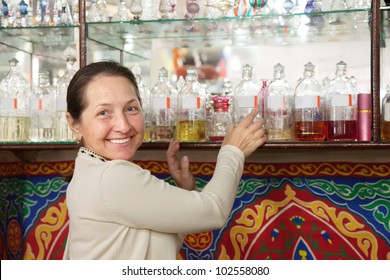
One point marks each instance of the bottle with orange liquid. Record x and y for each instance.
(309, 110)
(385, 116)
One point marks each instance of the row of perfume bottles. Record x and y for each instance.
(167, 9)
(45, 13)
(313, 111)
(38, 113)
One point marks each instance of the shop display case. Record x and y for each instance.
(357, 36)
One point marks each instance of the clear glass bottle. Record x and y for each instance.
(63, 132)
(309, 107)
(145, 99)
(341, 105)
(136, 9)
(43, 111)
(75, 12)
(221, 118)
(122, 13)
(93, 14)
(163, 100)
(246, 96)
(191, 109)
(14, 114)
(164, 8)
(385, 116)
(278, 107)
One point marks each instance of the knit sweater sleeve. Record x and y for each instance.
(134, 197)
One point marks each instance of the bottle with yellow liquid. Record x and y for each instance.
(163, 109)
(191, 110)
(14, 114)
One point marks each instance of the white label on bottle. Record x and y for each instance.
(9, 104)
(276, 102)
(191, 102)
(61, 104)
(341, 100)
(250, 101)
(386, 113)
(159, 103)
(37, 104)
(302, 102)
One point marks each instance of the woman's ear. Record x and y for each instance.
(74, 126)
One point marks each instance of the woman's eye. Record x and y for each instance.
(102, 113)
(132, 109)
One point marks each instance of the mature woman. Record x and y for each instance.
(117, 210)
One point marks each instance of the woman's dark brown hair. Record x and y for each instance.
(76, 88)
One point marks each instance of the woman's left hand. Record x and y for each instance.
(179, 168)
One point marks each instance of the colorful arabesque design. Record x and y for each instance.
(282, 211)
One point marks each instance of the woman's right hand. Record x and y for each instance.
(247, 135)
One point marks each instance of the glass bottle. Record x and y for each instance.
(191, 110)
(63, 132)
(309, 107)
(145, 99)
(341, 104)
(278, 107)
(43, 110)
(192, 8)
(164, 8)
(246, 96)
(163, 98)
(75, 12)
(385, 116)
(93, 14)
(14, 115)
(221, 118)
(136, 9)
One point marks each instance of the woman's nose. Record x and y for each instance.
(122, 123)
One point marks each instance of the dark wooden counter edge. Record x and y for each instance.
(208, 146)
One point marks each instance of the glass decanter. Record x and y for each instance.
(43, 110)
(336, 17)
(75, 12)
(278, 107)
(14, 115)
(164, 8)
(316, 20)
(191, 110)
(145, 99)
(385, 116)
(246, 96)
(63, 132)
(261, 7)
(341, 104)
(192, 8)
(163, 100)
(309, 110)
(94, 14)
(136, 9)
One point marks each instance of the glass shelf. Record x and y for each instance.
(136, 36)
(40, 40)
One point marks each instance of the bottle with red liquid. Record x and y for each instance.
(309, 109)
(341, 106)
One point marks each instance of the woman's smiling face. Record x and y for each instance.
(112, 123)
